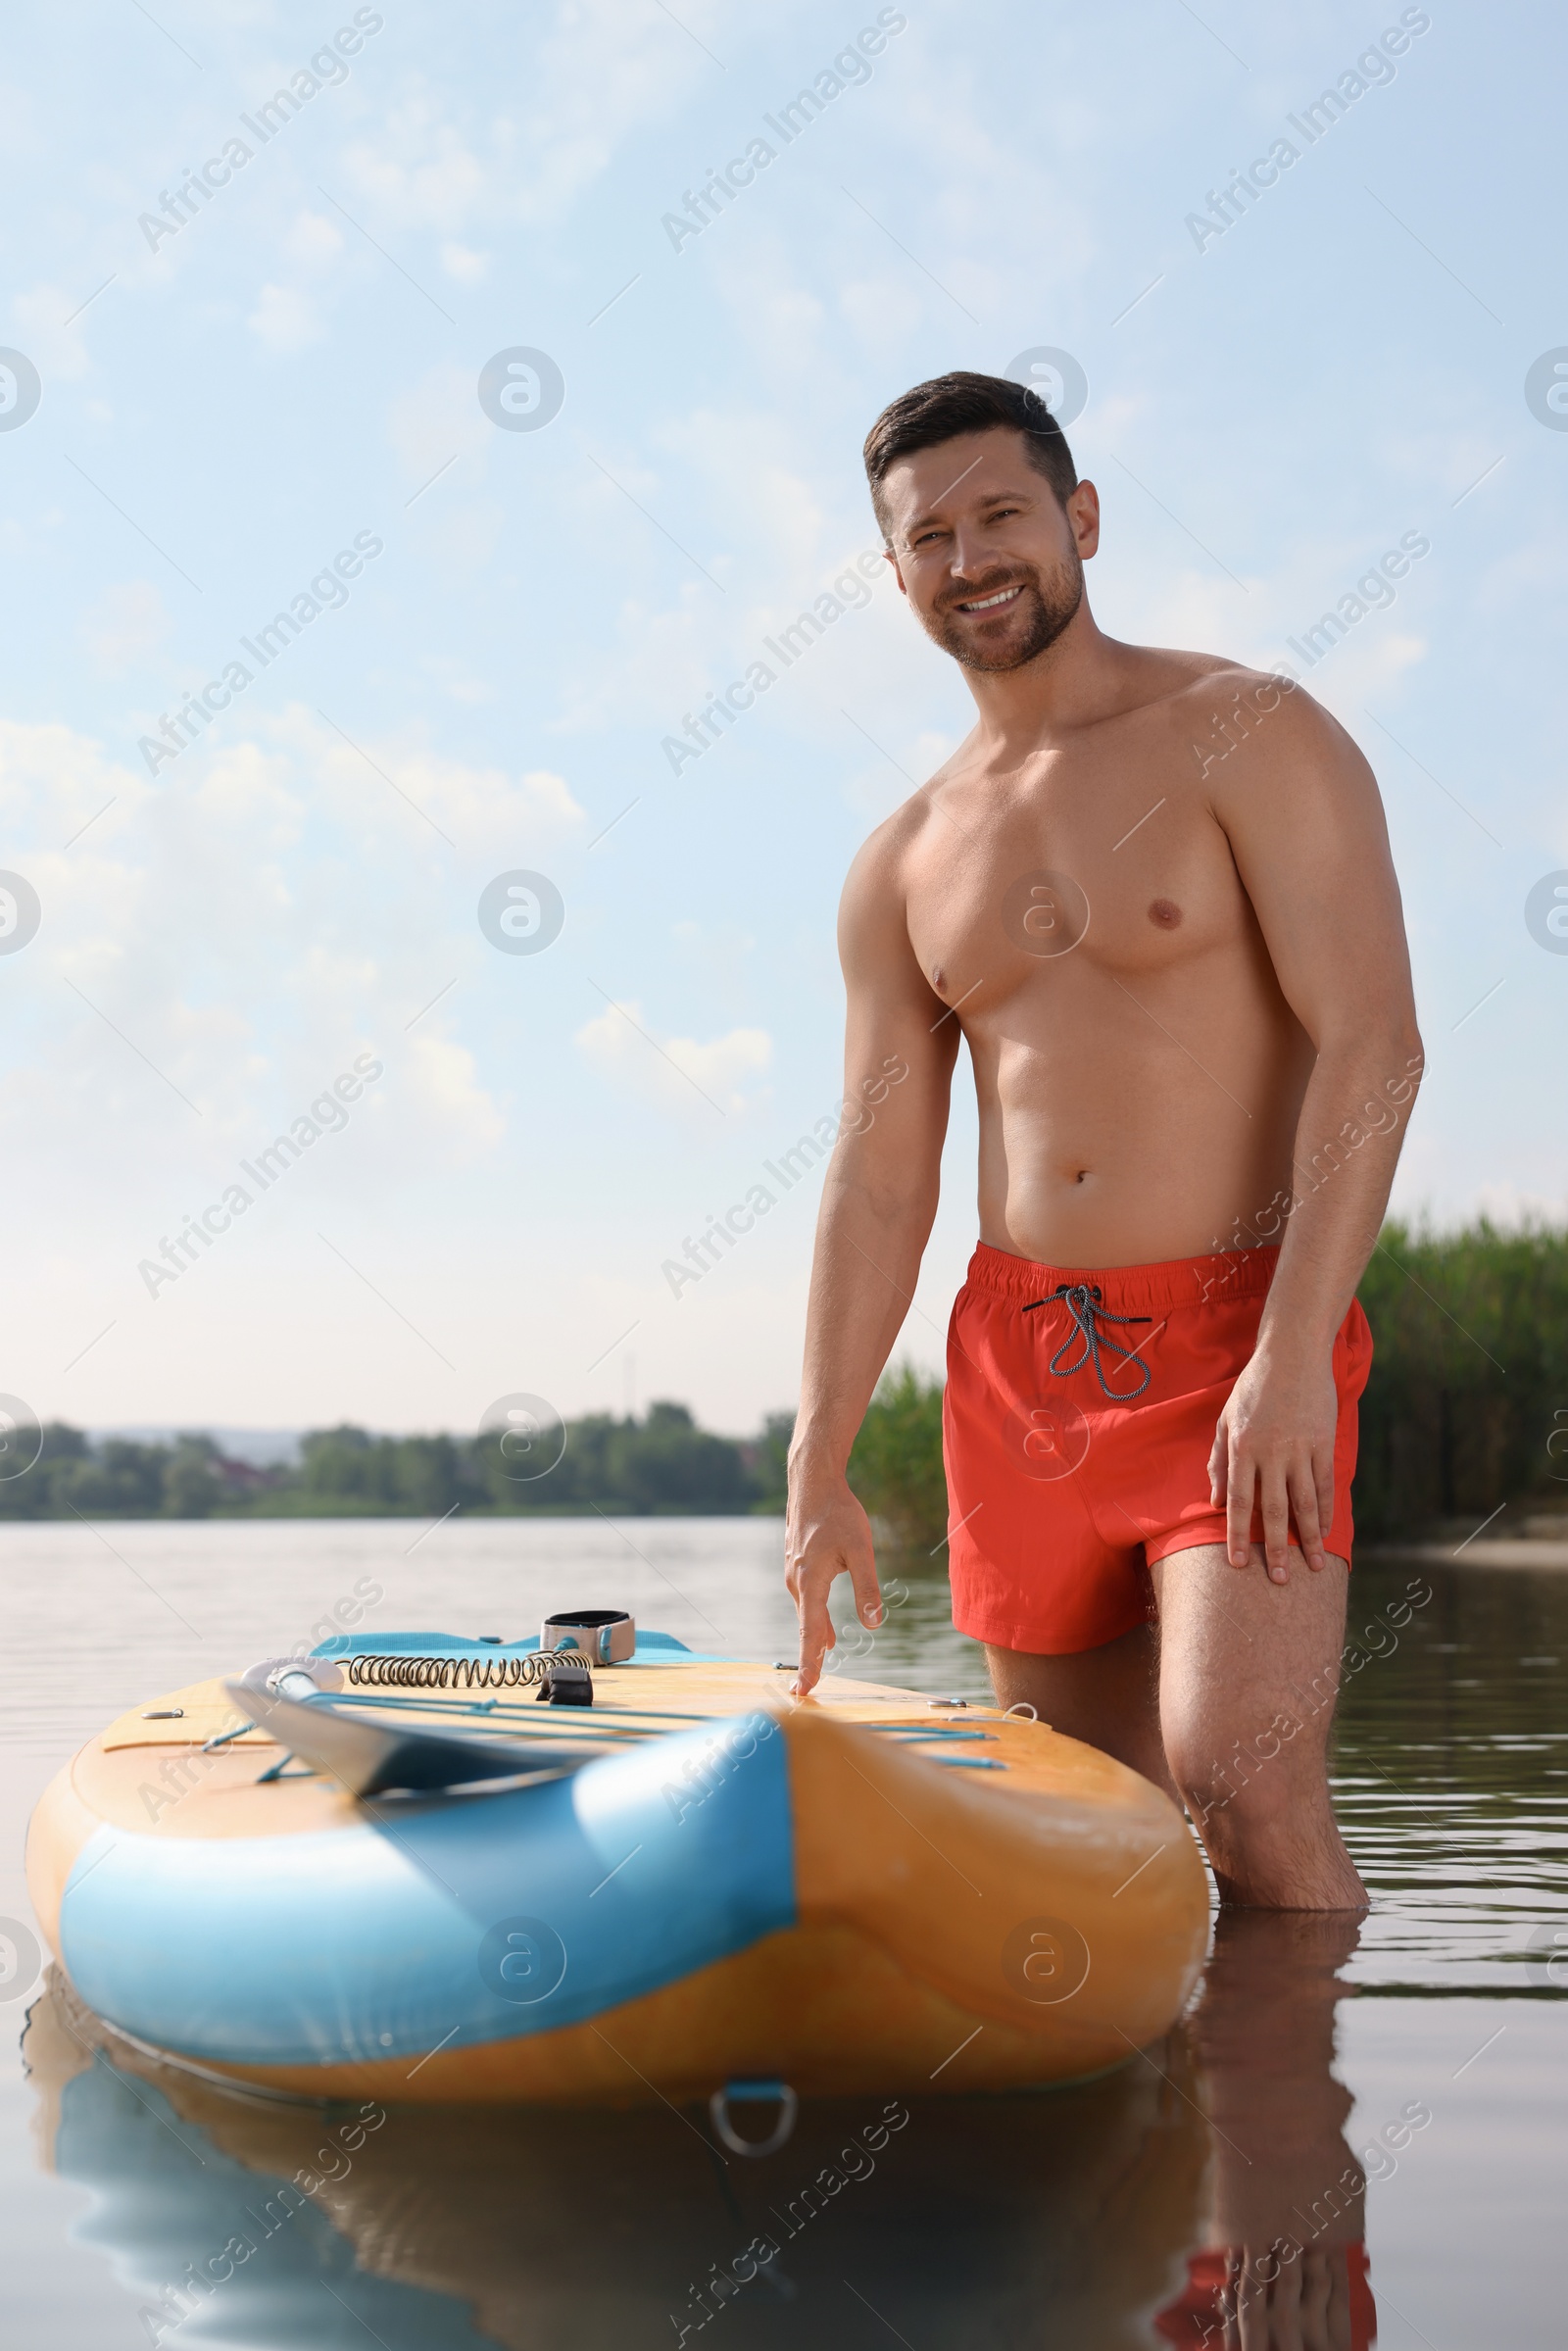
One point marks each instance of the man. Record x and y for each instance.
(1153, 892)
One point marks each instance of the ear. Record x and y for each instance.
(896, 573)
(1083, 516)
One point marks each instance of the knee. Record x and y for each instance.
(1248, 1788)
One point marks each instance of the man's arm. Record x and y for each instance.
(878, 1201)
(1306, 827)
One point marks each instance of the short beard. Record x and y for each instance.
(1047, 605)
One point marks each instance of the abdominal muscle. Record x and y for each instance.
(1111, 1154)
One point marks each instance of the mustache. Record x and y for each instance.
(965, 592)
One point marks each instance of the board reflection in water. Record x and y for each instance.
(957, 2221)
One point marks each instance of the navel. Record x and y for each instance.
(1166, 912)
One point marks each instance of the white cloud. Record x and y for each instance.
(444, 1095)
(303, 893)
(421, 171)
(53, 780)
(676, 1072)
(284, 320)
(668, 661)
(482, 809)
(314, 241)
(464, 265)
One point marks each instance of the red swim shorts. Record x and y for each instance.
(1077, 1426)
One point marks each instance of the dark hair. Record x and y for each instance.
(959, 403)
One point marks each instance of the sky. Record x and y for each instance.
(442, 360)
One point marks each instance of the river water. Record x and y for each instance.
(1428, 2053)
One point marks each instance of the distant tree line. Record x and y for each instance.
(1467, 1406)
(663, 1465)
(1466, 1410)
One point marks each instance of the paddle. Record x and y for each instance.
(373, 1756)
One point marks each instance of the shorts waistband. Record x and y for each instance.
(1130, 1289)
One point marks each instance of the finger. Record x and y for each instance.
(1253, 2329)
(816, 1631)
(868, 1591)
(1276, 1509)
(1319, 2263)
(1303, 1506)
(1219, 1456)
(1323, 1482)
(1238, 1478)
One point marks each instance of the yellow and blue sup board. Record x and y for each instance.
(394, 1874)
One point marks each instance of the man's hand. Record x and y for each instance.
(1275, 1438)
(826, 1535)
(1286, 2297)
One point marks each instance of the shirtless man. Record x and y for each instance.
(1153, 892)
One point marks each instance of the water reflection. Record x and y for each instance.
(978, 2220)
(1205, 2194)
(1283, 2259)
(1202, 2194)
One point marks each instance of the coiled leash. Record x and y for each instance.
(1081, 1301)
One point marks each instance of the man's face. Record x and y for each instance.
(990, 560)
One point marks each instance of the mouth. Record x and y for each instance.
(996, 601)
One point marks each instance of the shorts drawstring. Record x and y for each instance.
(1081, 1301)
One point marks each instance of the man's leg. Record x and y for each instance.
(1249, 1672)
(1108, 1697)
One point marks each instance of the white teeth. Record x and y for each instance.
(988, 602)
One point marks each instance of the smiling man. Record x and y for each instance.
(1153, 893)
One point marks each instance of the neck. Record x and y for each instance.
(1080, 676)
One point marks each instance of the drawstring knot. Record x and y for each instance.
(1081, 1301)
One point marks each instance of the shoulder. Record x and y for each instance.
(873, 912)
(885, 858)
(1236, 725)
(1210, 703)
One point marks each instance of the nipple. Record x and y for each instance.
(1166, 912)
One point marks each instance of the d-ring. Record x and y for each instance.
(754, 2093)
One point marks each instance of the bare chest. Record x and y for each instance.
(1087, 867)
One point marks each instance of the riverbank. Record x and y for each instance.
(1520, 1552)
